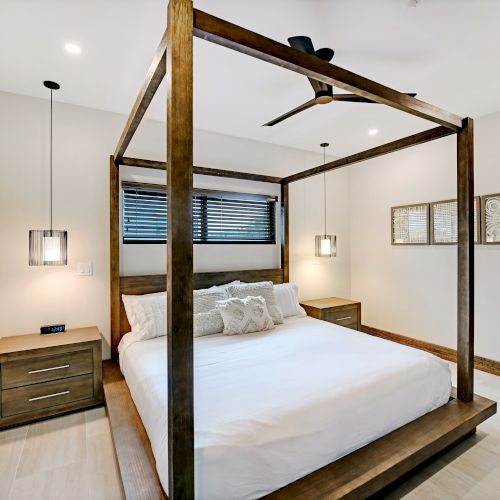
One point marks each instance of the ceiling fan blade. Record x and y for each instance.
(302, 107)
(357, 98)
(304, 44)
(326, 54)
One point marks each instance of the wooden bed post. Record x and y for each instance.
(465, 305)
(285, 233)
(180, 248)
(114, 253)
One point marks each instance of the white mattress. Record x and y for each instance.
(272, 407)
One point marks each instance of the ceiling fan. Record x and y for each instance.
(323, 92)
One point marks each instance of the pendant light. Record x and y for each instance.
(326, 244)
(48, 247)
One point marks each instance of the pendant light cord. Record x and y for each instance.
(51, 91)
(324, 184)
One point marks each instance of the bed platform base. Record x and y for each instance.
(360, 474)
(133, 450)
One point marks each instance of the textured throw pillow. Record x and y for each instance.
(207, 318)
(235, 282)
(245, 315)
(147, 314)
(287, 298)
(261, 289)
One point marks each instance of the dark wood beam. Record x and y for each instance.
(215, 172)
(465, 320)
(153, 79)
(390, 147)
(180, 249)
(285, 233)
(114, 253)
(242, 40)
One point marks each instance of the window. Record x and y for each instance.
(218, 216)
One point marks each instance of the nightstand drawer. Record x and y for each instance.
(45, 368)
(48, 394)
(352, 326)
(342, 317)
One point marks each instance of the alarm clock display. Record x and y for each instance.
(46, 330)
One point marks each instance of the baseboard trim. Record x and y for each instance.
(480, 363)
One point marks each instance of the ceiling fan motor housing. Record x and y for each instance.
(324, 96)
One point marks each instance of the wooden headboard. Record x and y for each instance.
(139, 285)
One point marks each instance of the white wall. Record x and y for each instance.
(412, 290)
(318, 276)
(84, 139)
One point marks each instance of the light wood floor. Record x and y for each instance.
(64, 458)
(72, 457)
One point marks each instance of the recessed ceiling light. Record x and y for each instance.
(72, 48)
(373, 131)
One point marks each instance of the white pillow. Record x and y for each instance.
(287, 298)
(207, 320)
(245, 315)
(260, 289)
(206, 299)
(147, 314)
(235, 282)
(207, 323)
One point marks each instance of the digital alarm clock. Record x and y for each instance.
(45, 330)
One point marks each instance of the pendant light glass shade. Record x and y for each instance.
(48, 247)
(326, 244)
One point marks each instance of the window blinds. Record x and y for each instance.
(218, 216)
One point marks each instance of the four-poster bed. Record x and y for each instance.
(376, 465)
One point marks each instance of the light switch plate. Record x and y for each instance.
(84, 269)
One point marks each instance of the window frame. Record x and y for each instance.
(200, 191)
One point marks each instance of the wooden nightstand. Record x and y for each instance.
(342, 312)
(46, 375)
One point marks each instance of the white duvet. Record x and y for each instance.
(272, 407)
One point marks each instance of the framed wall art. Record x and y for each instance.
(410, 224)
(444, 222)
(491, 219)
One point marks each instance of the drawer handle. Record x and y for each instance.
(344, 318)
(49, 369)
(49, 396)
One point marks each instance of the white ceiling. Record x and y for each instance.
(445, 50)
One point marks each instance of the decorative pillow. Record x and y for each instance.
(207, 319)
(235, 282)
(207, 323)
(261, 289)
(245, 315)
(287, 298)
(147, 314)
